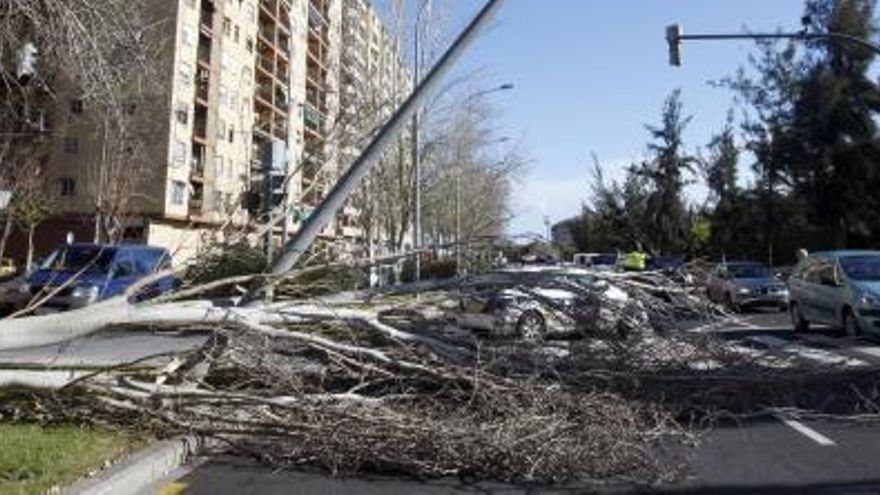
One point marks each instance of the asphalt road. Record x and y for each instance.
(769, 454)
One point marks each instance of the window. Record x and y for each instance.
(236, 33)
(249, 44)
(182, 114)
(186, 74)
(67, 186)
(227, 26)
(231, 134)
(221, 129)
(186, 36)
(251, 12)
(76, 106)
(218, 165)
(179, 153)
(71, 145)
(218, 201)
(223, 95)
(178, 192)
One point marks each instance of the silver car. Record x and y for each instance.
(837, 288)
(516, 311)
(746, 284)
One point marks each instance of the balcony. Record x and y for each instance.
(270, 6)
(200, 123)
(206, 17)
(202, 83)
(280, 128)
(281, 71)
(197, 163)
(266, 63)
(267, 28)
(317, 14)
(204, 51)
(313, 117)
(263, 121)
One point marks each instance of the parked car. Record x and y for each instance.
(530, 313)
(82, 274)
(561, 302)
(838, 288)
(746, 284)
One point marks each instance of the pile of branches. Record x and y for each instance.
(387, 386)
(343, 391)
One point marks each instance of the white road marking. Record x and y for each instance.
(794, 348)
(806, 431)
(846, 343)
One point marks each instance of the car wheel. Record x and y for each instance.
(850, 324)
(530, 326)
(797, 318)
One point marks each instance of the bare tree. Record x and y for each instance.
(103, 55)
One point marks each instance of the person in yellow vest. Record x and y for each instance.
(635, 260)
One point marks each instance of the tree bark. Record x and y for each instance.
(30, 250)
(7, 230)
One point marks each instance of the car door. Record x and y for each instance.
(712, 284)
(474, 310)
(826, 294)
(123, 273)
(719, 284)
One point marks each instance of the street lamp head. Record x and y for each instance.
(506, 86)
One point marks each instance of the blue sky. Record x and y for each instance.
(590, 73)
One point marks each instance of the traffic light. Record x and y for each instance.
(673, 38)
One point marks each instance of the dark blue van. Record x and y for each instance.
(99, 272)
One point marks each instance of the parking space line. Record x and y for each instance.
(806, 431)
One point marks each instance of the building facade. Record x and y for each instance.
(250, 120)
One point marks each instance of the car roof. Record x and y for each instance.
(845, 253)
(139, 247)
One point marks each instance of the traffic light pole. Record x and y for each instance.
(674, 37)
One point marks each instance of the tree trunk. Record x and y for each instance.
(30, 250)
(7, 230)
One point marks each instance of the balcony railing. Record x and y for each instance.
(266, 63)
(206, 17)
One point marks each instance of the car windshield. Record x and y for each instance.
(748, 271)
(605, 259)
(77, 258)
(861, 268)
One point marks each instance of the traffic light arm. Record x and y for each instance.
(674, 37)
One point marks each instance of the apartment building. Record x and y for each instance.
(249, 120)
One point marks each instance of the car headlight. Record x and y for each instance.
(743, 290)
(869, 300)
(87, 292)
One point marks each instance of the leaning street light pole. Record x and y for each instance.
(675, 35)
(343, 188)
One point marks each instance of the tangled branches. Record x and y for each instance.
(346, 396)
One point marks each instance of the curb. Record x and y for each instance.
(141, 469)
